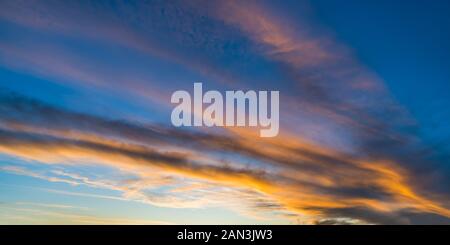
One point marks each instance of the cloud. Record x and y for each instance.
(291, 175)
(164, 31)
(321, 91)
(47, 215)
(51, 205)
(25, 172)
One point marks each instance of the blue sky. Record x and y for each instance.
(406, 44)
(86, 138)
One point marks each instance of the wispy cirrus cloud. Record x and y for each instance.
(301, 178)
(43, 214)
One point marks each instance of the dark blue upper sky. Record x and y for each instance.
(407, 44)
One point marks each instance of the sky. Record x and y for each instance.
(86, 136)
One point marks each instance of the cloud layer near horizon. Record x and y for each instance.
(291, 176)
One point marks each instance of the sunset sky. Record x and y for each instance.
(86, 136)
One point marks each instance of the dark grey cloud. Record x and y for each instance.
(404, 217)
